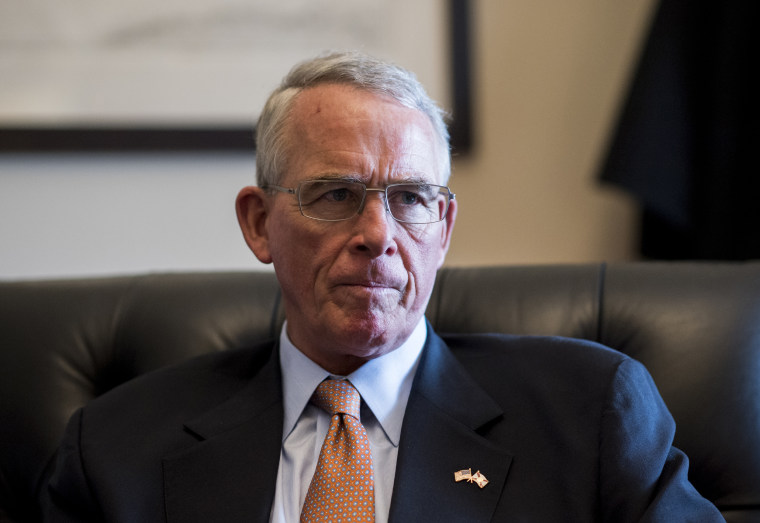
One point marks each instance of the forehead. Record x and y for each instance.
(337, 129)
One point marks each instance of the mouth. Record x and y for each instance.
(372, 281)
(372, 284)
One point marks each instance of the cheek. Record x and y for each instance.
(424, 257)
(299, 256)
(425, 246)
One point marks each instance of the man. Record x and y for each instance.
(352, 210)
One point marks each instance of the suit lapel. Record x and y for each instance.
(440, 435)
(229, 474)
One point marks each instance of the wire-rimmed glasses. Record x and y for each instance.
(337, 200)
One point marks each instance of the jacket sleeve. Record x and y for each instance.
(68, 496)
(642, 476)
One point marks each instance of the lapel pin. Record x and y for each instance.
(467, 475)
(461, 475)
(480, 479)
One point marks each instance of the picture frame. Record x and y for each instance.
(152, 132)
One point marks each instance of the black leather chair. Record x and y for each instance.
(695, 326)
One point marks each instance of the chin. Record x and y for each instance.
(369, 332)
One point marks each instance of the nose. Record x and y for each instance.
(374, 227)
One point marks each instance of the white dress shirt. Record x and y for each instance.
(383, 383)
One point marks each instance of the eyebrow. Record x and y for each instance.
(333, 177)
(415, 179)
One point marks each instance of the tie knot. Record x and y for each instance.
(337, 396)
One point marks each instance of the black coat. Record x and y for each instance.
(564, 430)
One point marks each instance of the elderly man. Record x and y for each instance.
(359, 412)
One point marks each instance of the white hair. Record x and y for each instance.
(350, 68)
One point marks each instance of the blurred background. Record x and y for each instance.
(546, 174)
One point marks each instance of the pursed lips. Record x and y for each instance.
(372, 283)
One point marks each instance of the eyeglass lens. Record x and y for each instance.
(335, 200)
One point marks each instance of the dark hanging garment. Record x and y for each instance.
(686, 143)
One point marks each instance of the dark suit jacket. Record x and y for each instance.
(564, 430)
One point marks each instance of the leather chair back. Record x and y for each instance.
(696, 327)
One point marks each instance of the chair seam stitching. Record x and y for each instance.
(600, 289)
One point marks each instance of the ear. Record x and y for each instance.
(447, 229)
(252, 207)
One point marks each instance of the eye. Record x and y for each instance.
(336, 195)
(321, 192)
(409, 198)
(411, 195)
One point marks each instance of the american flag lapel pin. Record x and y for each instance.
(466, 475)
(462, 475)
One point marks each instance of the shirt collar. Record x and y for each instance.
(384, 383)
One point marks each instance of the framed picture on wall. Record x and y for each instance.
(191, 74)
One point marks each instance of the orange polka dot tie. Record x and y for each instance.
(342, 489)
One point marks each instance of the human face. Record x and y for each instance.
(353, 290)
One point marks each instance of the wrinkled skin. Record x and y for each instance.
(353, 290)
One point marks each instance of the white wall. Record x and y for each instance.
(549, 76)
(105, 214)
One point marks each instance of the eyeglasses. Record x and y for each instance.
(336, 200)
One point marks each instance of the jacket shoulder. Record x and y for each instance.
(180, 390)
(526, 353)
(575, 376)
